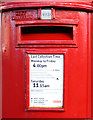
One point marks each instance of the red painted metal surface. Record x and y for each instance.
(77, 75)
(73, 5)
(0, 72)
(91, 45)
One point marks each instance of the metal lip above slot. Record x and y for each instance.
(60, 22)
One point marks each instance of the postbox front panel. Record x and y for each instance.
(45, 64)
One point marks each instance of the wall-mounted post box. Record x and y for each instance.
(46, 60)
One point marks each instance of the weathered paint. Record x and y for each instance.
(0, 71)
(77, 73)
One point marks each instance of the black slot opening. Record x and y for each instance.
(47, 33)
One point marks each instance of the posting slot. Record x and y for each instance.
(46, 33)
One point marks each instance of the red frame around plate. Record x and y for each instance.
(46, 51)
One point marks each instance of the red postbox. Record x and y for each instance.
(46, 60)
